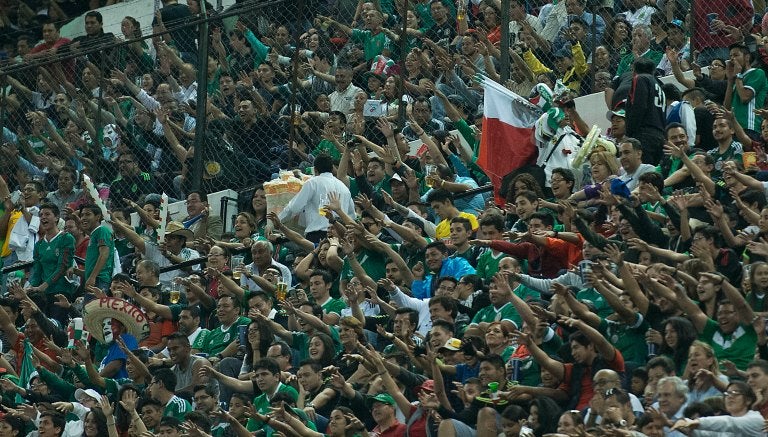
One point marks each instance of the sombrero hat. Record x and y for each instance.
(176, 228)
(131, 316)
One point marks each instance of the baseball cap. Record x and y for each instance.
(384, 398)
(83, 395)
(453, 344)
(428, 385)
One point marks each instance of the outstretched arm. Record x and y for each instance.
(232, 383)
(695, 314)
(744, 311)
(602, 346)
(556, 368)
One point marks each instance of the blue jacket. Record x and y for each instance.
(454, 267)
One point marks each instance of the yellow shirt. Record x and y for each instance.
(443, 230)
(15, 216)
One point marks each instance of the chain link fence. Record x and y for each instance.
(206, 97)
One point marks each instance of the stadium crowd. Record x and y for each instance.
(617, 287)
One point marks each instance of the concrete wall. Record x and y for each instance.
(141, 10)
(593, 109)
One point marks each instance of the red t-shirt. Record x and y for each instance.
(396, 430)
(81, 248)
(587, 390)
(18, 350)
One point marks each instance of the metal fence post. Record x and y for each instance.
(505, 37)
(202, 101)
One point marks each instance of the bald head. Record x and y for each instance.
(606, 379)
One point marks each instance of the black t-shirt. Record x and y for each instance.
(442, 34)
(174, 17)
(620, 86)
(131, 187)
(704, 122)
(645, 106)
(106, 57)
(715, 88)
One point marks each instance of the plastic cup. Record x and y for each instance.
(281, 291)
(235, 262)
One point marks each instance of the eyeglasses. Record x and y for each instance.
(731, 393)
(714, 65)
(556, 180)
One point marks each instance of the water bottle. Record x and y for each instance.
(516, 364)
(652, 349)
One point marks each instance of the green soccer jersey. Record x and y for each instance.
(261, 404)
(507, 311)
(218, 339)
(327, 147)
(601, 306)
(52, 259)
(737, 347)
(373, 263)
(300, 343)
(628, 339)
(372, 44)
(488, 264)
(101, 236)
(177, 407)
(200, 339)
(753, 79)
(333, 305)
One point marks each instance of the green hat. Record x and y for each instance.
(384, 398)
(556, 115)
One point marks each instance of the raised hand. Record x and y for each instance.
(384, 127)
(106, 406)
(129, 400)
(418, 270)
(387, 283)
(364, 202)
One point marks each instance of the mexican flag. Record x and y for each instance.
(506, 143)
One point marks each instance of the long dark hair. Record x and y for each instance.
(266, 337)
(686, 334)
(751, 297)
(122, 416)
(101, 421)
(330, 351)
(549, 413)
(347, 412)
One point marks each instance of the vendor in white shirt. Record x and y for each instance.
(307, 202)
